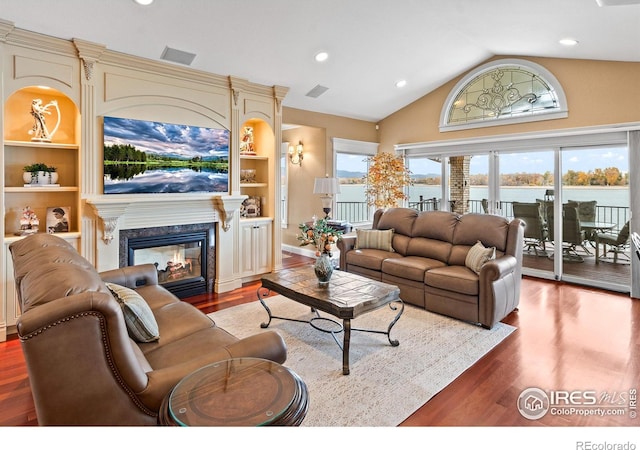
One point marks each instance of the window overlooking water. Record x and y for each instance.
(538, 180)
(595, 185)
(426, 192)
(351, 166)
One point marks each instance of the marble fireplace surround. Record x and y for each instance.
(139, 211)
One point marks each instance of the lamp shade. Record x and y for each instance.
(326, 186)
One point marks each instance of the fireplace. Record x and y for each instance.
(184, 255)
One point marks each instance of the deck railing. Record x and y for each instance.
(353, 212)
(358, 212)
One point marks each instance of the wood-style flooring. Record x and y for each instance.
(569, 338)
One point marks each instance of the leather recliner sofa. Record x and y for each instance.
(83, 366)
(428, 256)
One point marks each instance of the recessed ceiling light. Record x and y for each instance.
(322, 56)
(143, 2)
(568, 42)
(401, 83)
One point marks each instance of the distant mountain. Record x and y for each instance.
(350, 174)
(425, 175)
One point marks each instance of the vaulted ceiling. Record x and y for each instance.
(372, 44)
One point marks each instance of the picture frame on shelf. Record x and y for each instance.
(58, 219)
(250, 207)
(247, 175)
(246, 143)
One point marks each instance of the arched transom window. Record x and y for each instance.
(502, 92)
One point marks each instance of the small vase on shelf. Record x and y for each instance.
(323, 268)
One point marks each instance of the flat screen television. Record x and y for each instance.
(146, 157)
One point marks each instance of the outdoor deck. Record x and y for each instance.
(618, 273)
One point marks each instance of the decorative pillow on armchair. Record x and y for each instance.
(378, 239)
(478, 255)
(141, 324)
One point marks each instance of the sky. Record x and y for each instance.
(583, 160)
(162, 138)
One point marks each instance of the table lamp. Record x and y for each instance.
(326, 187)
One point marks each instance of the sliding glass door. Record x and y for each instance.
(526, 188)
(595, 214)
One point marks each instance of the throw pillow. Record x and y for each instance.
(478, 255)
(141, 324)
(378, 239)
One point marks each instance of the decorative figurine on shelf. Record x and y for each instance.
(246, 144)
(29, 223)
(40, 131)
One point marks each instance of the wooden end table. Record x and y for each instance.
(346, 297)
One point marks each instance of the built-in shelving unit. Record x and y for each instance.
(19, 150)
(256, 231)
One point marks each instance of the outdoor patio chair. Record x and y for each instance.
(586, 213)
(618, 244)
(536, 233)
(572, 234)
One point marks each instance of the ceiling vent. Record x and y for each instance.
(317, 91)
(177, 56)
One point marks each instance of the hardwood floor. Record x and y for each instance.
(569, 338)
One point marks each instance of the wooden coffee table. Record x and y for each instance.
(346, 297)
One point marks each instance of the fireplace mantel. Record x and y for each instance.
(140, 210)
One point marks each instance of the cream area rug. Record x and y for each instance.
(386, 384)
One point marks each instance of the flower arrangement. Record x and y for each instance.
(386, 180)
(320, 235)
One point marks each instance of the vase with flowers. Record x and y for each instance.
(322, 237)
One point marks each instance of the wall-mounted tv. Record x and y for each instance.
(145, 157)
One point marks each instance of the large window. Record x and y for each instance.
(350, 167)
(426, 192)
(547, 176)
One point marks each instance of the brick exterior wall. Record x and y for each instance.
(459, 182)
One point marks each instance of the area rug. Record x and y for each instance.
(386, 384)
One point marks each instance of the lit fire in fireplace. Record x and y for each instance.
(178, 267)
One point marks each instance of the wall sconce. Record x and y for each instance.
(295, 153)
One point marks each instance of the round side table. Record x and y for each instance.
(237, 392)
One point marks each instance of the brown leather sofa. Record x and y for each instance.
(83, 366)
(427, 262)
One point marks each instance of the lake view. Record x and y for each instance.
(605, 196)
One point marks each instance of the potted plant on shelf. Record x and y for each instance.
(39, 173)
(386, 180)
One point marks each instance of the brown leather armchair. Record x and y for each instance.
(83, 366)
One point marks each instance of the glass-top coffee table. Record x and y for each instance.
(346, 297)
(237, 392)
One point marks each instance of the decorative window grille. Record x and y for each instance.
(503, 92)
